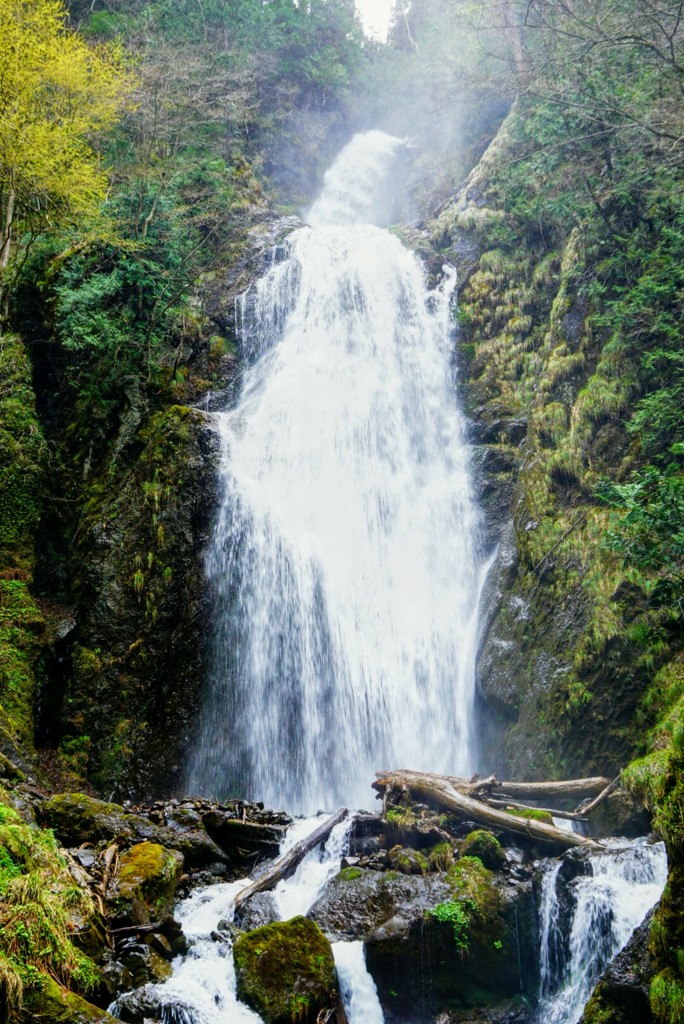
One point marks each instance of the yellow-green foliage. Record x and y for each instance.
(40, 905)
(58, 92)
(22, 456)
(667, 998)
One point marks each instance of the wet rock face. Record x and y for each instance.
(286, 971)
(460, 938)
(136, 668)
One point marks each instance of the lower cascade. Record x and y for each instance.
(607, 904)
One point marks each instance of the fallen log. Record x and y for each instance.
(440, 791)
(569, 815)
(566, 789)
(287, 865)
(577, 788)
(598, 800)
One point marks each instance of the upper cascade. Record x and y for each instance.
(345, 560)
(355, 189)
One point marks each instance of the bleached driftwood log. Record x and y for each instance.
(286, 866)
(456, 796)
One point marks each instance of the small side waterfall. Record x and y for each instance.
(359, 994)
(345, 559)
(607, 905)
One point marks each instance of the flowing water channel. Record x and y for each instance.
(347, 568)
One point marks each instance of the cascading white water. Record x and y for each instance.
(625, 882)
(345, 558)
(357, 988)
(202, 988)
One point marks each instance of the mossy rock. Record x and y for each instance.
(58, 1005)
(408, 861)
(145, 885)
(483, 845)
(286, 971)
(77, 818)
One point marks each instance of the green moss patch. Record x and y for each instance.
(286, 971)
(531, 813)
(22, 456)
(146, 883)
(22, 629)
(350, 874)
(482, 844)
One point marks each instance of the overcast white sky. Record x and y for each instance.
(375, 15)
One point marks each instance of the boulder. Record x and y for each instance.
(471, 931)
(286, 971)
(356, 902)
(145, 885)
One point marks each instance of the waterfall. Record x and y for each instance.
(345, 561)
(607, 905)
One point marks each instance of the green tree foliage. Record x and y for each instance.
(56, 92)
(217, 85)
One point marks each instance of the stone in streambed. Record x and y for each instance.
(243, 842)
(257, 912)
(286, 971)
(145, 885)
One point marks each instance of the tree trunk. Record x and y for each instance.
(576, 789)
(442, 793)
(287, 865)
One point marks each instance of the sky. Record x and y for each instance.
(375, 15)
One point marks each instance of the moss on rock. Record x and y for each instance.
(531, 813)
(483, 845)
(57, 1005)
(145, 886)
(408, 861)
(286, 971)
(78, 818)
